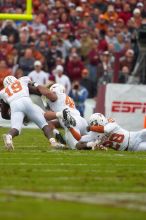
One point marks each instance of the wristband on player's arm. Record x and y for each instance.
(34, 84)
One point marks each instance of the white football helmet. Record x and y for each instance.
(57, 88)
(98, 119)
(8, 80)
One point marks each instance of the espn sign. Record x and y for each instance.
(128, 107)
(125, 103)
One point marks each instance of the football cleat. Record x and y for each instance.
(59, 146)
(59, 138)
(68, 119)
(8, 141)
(56, 145)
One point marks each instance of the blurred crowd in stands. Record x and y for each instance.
(81, 44)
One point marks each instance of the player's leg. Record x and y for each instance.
(55, 124)
(75, 128)
(143, 135)
(16, 125)
(70, 139)
(141, 147)
(36, 114)
(82, 124)
(76, 121)
(49, 115)
(60, 143)
(68, 118)
(139, 141)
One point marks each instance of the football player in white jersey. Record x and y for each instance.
(104, 132)
(16, 94)
(57, 100)
(117, 137)
(91, 140)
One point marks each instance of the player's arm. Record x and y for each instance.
(97, 128)
(86, 142)
(5, 110)
(89, 146)
(83, 146)
(32, 86)
(75, 133)
(44, 91)
(33, 89)
(108, 128)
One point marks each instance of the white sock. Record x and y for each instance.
(55, 131)
(59, 115)
(10, 136)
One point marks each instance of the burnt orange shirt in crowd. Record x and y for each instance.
(3, 74)
(6, 49)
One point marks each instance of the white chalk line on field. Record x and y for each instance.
(134, 201)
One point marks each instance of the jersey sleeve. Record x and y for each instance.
(110, 127)
(97, 128)
(25, 79)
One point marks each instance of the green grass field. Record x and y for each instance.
(37, 182)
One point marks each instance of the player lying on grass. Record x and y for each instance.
(16, 95)
(106, 132)
(57, 100)
(85, 142)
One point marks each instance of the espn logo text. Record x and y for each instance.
(128, 107)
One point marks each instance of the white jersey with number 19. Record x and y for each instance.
(17, 96)
(16, 90)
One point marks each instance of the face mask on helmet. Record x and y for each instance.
(97, 119)
(57, 88)
(8, 80)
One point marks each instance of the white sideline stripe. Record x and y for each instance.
(136, 201)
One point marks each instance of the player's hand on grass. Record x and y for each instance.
(99, 146)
